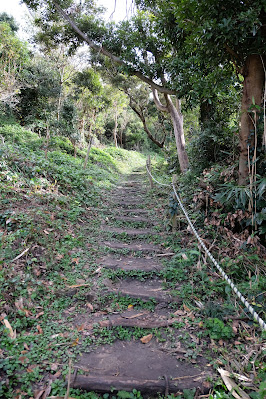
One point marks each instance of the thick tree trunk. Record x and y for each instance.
(177, 121)
(252, 95)
(206, 113)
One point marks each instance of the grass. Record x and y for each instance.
(48, 207)
(51, 210)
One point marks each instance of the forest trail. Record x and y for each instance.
(157, 350)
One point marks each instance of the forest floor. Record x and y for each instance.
(98, 295)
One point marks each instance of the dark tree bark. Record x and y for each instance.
(254, 78)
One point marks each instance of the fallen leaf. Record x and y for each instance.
(31, 368)
(78, 285)
(75, 343)
(81, 327)
(186, 308)
(146, 339)
(249, 338)
(23, 359)
(27, 312)
(97, 270)
(89, 305)
(130, 307)
(75, 260)
(179, 312)
(11, 333)
(184, 256)
(37, 272)
(54, 366)
(38, 394)
(232, 387)
(46, 232)
(39, 328)
(59, 256)
(39, 315)
(19, 304)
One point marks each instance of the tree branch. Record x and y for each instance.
(143, 120)
(108, 54)
(157, 101)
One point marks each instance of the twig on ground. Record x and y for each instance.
(20, 255)
(68, 381)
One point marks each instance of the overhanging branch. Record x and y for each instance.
(108, 54)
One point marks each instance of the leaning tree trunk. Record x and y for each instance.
(177, 121)
(252, 95)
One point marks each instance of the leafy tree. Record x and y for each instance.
(219, 36)
(38, 100)
(134, 47)
(4, 17)
(91, 98)
(13, 55)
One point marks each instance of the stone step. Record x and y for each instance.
(129, 232)
(131, 263)
(145, 291)
(132, 211)
(137, 219)
(127, 202)
(142, 247)
(149, 368)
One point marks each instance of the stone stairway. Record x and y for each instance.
(157, 362)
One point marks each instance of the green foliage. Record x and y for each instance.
(4, 17)
(210, 145)
(13, 55)
(216, 329)
(37, 107)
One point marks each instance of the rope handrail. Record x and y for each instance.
(216, 264)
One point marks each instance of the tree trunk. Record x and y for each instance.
(139, 112)
(177, 121)
(115, 128)
(252, 95)
(47, 139)
(206, 113)
(88, 153)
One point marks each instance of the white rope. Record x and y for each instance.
(161, 184)
(226, 278)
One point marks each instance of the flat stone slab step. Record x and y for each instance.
(129, 232)
(127, 202)
(133, 219)
(131, 263)
(152, 289)
(133, 318)
(132, 247)
(133, 184)
(128, 365)
(128, 189)
(130, 211)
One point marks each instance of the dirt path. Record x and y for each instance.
(153, 347)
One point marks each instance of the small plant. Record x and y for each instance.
(216, 329)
